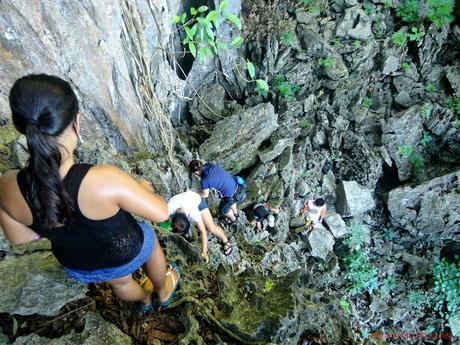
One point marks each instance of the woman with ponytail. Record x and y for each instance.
(85, 211)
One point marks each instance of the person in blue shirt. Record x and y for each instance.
(215, 178)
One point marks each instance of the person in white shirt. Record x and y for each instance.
(189, 206)
(314, 211)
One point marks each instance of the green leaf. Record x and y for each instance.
(233, 19)
(202, 9)
(251, 69)
(193, 11)
(193, 30)
(262, 85)
(212, 16)
(236, 42)
(223, 5)
(15, 326)
(175, 20)
(188, 32)
(208, 51)
(221, 45)
(210, 32)
(183, 18)
(192, 48)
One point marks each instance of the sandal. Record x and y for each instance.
(145, 309)
(227, 248)
(178, 271)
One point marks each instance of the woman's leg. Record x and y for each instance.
(126, 289)
(211, 226)
(155, 268)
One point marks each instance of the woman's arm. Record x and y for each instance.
(113, 184)
(14, 231)
(204, 240)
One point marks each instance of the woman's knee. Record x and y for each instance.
(120, 282)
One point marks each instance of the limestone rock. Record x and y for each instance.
(210, 104)
(35, 284)
(335, 224)
(430, 209)
(97, 332)
(235, 140)
(321, 242)
(281, 260)
(274, 151)
(362, 30)
(403, 129)
(453, 75)
(353, 199)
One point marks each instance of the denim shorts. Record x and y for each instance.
(106, 274)
(203, 205)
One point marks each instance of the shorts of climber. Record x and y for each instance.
(264, 211)
(214, 178)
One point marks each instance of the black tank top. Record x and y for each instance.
(83, 243)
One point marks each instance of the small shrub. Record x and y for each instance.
(304, 123)
(389, 284)
(388, 234)
(358, 237)
(268, 286)
(418, 164)
(287, 37)
(426, 139)
(405, 67)
(361, 274)
(285, 89)
(453, 103)
(405, 150)
(399, 38)
(447, 290)
(430, 87)
(417, 300)
(369, 8)
(440, 12)
(415, 35)
(345, 305)
(366, 102)
(408, 10)
(426, 110)
(387, 4)
(201, 30)
(325, 62)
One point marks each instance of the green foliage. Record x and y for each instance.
(415, 35)
(262, 87)
(201, 30)
(418, 163)
(287, 37)
(426, 138)
(417, 300)
(359, 234)
(388, 234)
(251, 69)
(345, 306)
(366, 102)
(389, 284)
(361, 274)
(399, 38)
(405, 150)
(453, 103)
(387, 4)
(284, 88)
(304, 123)
(440, 11)
(237, 168)
(268, 286)
(405, 67)
(314, 5)
(408, 10)
(325, 62)
(165, 226)
(447, 290)
(430, 87)
(425, 110)
(369, 8)
(456, 124)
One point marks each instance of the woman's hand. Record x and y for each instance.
(205, 257)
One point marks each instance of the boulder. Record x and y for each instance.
(403, 129)
(275, 150)
(336, 224)
(453, 75)
(35, 284)
(97, 332)
(353, 199)
(235, 140)
(430, 210)
(350, 27)
(209, 104)
(281, 260)
(321, 242)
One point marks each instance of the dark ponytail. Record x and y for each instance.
(42, 108)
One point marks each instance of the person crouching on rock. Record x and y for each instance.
(264, 211)
(190, 206)
(213, 177)
(314, 211)
(84, 210)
